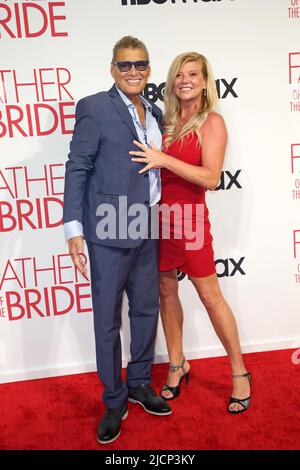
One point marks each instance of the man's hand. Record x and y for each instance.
(76, 250)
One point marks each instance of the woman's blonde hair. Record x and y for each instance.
(172, 103)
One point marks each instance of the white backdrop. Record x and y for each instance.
(64, 50)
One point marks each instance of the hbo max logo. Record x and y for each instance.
(225, 89)
(160, 2)
(224, 267)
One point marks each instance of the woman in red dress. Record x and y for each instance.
(194, 143)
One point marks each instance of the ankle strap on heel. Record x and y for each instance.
(176, 367)
(239, 376)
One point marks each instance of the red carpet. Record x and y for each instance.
(62, 413)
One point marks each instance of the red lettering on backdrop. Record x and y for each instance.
(14, 121)
(34, 214)
(16, 176)
(16, 20)
(294, 67)
(37, 118)
(44, 303)
(11, 86)
(296, 240)
(28, 272)
(295, 154)
(20, 209)
(31, 7)
(37, 108)
(36, 290)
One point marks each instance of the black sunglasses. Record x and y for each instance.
(140, 65)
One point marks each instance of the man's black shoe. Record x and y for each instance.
(150, 401)
(110, 425)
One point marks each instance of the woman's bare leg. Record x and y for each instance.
(172, 320)
(225, 326)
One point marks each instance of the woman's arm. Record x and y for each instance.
(214, 139)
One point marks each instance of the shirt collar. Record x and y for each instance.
(130, 104)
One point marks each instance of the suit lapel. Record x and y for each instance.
(122, 110)
(157, 114)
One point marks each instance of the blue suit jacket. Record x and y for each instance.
(99, 169)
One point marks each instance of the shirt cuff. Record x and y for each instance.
(73, 229)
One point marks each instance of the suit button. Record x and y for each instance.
(146, 175)
(146, 203)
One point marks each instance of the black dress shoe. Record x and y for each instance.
(110, 425)
(150, 401)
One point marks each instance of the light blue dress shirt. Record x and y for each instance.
(151, 134)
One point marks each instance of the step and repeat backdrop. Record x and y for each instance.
(52, 53)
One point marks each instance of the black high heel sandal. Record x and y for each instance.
(175, 390)
(245, 403)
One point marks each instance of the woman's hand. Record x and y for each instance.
(151, 156)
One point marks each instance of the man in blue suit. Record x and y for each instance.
(100, 175)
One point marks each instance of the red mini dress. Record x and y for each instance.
(185, 240)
